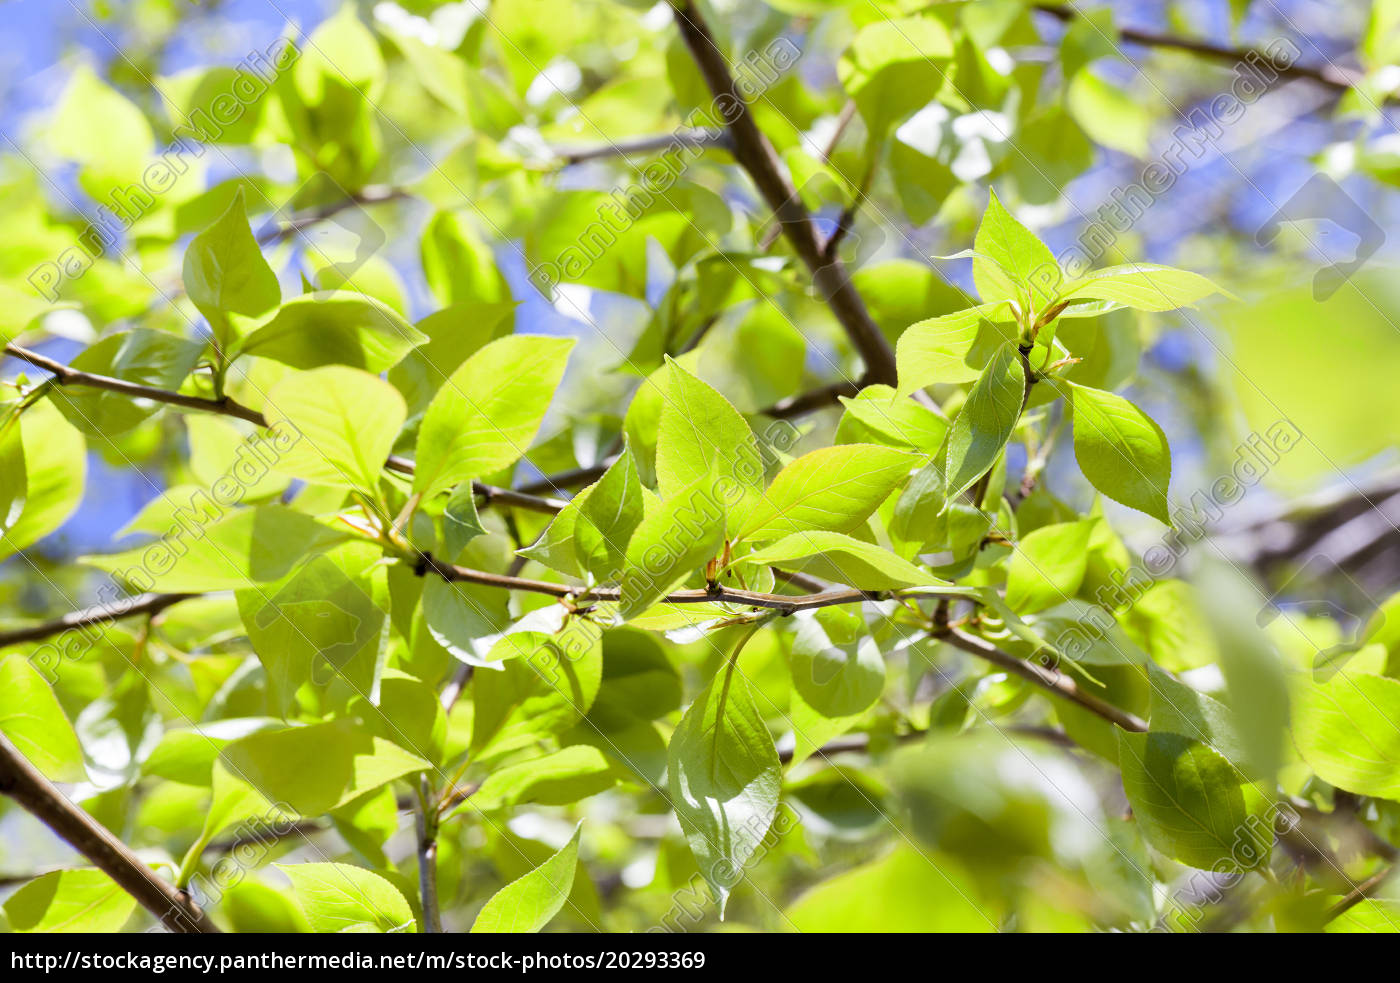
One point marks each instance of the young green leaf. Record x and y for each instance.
(346, 898)
(875, 416)
(607, 519)
(700, 434)
(14, 477)
(1048, 566)
(1010, 262)
(225, 272)
(527, 904)
(347, 419)
(33, 720)
(937, 349)
(836, 664)
(836, 557)
(1346, 731)
(674, 540)
(333, 327)
(544, 686)
(1143, 286)
(986, 421)
(83, 900)
(151, 358)
(316, 768)
(486, 415)
(834, 488)
(1191, 803)
(893, 67)
(558, 778)
(1121, 450)
(724, 778)
(246, 546)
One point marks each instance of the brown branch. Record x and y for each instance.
(1050, 679)
(808, 402)
(848, 113)
(784, 603)
(98, 614)
(1328, 75)
(425, 826)
(757, 157)
(23, 782)
(1358, 894)
(65, 375)
(692, 137)
(367, 196)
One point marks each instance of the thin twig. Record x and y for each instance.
(1050, 679)
(1328, 75)
(1359, 894)
(149, 604)
(685, 138)
(24, 783)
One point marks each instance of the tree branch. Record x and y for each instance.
(757, 157)
(367, 196)
(695, 137)
(425, 825)
(24, 783)
(1328, 75)
(1050, 679)
(65, 375)
(1358, 894)
(98, 614)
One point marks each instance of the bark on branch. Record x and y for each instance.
(24, 783)
(758, 158)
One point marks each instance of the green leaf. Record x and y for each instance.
(936, 350)
(344, 898)
(893, 67)
(674, 540)
(83, 900)
(458, 265)
(14, 477)
(320, 623)
(546, 688)
(558, 778)
(1121, 450)
(874, 416)
(607, 519)
(486, 415)
(1108, 114)
(210, 549)
(461, 523)
(151, 358)
(454, 333)
(834, 488)
(903, 891)
(836, 664)
(1048, 566)
(1178, 709)
(1191, 803)
(333, 327)
(458, 617)
(1010, 262)
(724, 778)
(528, 903)
(701, 435)
(55, 465)
(100, 128)
(1143, 286)
(30, 716)
(348, 420)
(225, 272)
(837, 557)
(986, 421)
(316, 768)
(1346, 731)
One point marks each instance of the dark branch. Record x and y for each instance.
(1328, 75)
(1050, 679)
(23, 782)
(99, 614)
(692, 138)
(758, 158)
